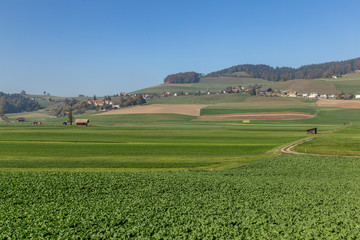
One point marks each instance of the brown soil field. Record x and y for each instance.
(186, 109)
(257, 116)
(338, 103)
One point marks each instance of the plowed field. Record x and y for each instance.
(186, 109)
(338, 103)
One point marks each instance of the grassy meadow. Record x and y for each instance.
(166, 143)
(348, 83)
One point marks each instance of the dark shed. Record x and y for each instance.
(312, 131)
(20, 119)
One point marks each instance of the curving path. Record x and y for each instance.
(288, 148)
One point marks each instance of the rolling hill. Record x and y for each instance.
(348, 83)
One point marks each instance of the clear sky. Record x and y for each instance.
(71, 47)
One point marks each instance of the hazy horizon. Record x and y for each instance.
(77, 47)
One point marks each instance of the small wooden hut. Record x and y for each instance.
(20, 119)
(312, 131)
(82, 122)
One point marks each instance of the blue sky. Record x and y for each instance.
(71, 47)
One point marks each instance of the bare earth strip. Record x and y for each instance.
(186, 109)
(257, 116)
(338, 103)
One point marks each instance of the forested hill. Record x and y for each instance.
(186, 77)
(13, 103)
(323, 70)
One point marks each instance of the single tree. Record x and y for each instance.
(70, 116)
(2, 106)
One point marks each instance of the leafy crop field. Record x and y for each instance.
(288, 197)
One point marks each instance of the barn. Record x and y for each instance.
(82, 122)
(312, 131)
(20, 119)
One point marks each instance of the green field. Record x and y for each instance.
(205, 84)
(162, 144)
(165, 176)
(349, 83)
(345, 142)
(288, 197)
(200, 99)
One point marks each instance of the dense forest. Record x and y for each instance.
(323, 70)
(14, 103)
(187, 77)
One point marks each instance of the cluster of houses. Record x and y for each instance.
(104, 105)
(308, 95)
(240, 89)
(316, 95)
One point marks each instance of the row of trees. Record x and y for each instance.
(286, 73)
(14, 103)
(186, 77)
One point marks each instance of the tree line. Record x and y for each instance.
(323, 70)
(186, 77)
(14, 103)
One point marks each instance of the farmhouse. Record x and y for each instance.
(312, 131)
(20, 119)
(96, 102)
(82, 122)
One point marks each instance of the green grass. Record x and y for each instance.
(288, 197)
(345, 142)
(141, 145)
(221, 110)
(349, 83)
(211, 84)
(200, 99)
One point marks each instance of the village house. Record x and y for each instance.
(108, 102)
(96, 102)
(314, 95)
(324, 96)
(305, 95)
(293, 94)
